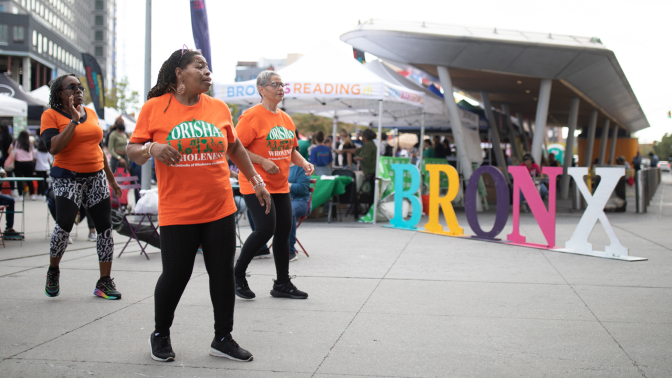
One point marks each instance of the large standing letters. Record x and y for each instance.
(399, 194)
(470, 199)
(522, 182)
(608, 179)
(433, 225)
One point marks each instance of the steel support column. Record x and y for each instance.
(569, 146)
(494, 132)
(523, 133)
(146, 177)
(603, 142)
(515, 147)
(27, 71)
(592, 125)
(455, 121)
(543, 100)
(376, 186)
(612, 150)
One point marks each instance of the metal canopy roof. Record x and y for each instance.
(510, 65)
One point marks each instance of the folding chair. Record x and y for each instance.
(2, 235)
(300, 219)
(134, 185)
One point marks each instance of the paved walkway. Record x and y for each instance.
(383, 303)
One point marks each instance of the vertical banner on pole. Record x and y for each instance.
(200, 30)
(94, 80)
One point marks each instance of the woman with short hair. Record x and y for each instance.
(269, 136)
(24, 164)
(191, 138)
(81, 176)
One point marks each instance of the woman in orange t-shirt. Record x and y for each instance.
(81, 177)
(190, 137)
(269, 135)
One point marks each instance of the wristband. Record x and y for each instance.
(149, 150)
(145, 152)
(263, 184)
(256, 179)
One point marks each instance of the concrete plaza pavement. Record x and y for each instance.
(383, 303)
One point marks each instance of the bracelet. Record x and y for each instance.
(149, 149)
(263, 184)
(256, 179)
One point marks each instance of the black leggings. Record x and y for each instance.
(179, 244)
(276, 224)
(25, 169)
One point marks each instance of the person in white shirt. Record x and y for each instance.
(43, 160)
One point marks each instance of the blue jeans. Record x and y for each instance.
(543, 190)
(299, 209)
(8, 201)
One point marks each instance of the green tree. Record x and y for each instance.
(121, 97)
(309, 124)
(664, 148)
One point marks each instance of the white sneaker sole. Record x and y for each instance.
(217, 353)
(262, 257)
(151, 353)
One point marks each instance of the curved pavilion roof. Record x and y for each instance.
(510, 66)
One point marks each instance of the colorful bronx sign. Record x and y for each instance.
(522, 183)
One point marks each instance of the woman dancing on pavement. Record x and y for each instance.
(196, 204)
(269, 135)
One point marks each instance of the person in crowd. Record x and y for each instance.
(346, 144)
(621, 161)
(320, 156)
(414, 153)
(358, 139)
(652, 156)
(81, 177)
(299, 191)
(24, 164)
(535, 172)
(106, 140)
(428, 149)
(552, 161)
(439, 148)
(446, 146)
(43, 160)
(116, 146)
(636, 162)
(313, 143)
(366, 154)
(8, 201)
(193, 128)
(304, 144)
(269, 135)
(5, 142)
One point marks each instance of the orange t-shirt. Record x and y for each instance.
(83, 153)
(198, 189)
(271, 136)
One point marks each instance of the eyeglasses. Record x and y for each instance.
(74, 88)
(277, 84)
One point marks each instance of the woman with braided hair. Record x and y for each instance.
(191, 138)
(81, 177)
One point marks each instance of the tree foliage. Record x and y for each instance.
(121, 97)
(309, 124)
(664, 148)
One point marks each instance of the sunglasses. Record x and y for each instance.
(74, 88)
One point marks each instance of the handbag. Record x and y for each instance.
(9, 162)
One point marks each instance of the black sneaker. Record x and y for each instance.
(287, 290)
(292, 256)
(52, 288)
(227, 347)
(105, 288)
(160, 348)
(243, 289)
(263, 253)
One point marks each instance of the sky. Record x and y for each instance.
(639, 33)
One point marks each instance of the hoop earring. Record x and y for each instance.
(181, 89)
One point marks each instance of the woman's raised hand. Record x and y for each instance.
(74, 113)
(166, 154)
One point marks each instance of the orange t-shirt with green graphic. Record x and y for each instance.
(271, 136)
(198, 189)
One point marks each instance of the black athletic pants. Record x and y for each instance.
(25, 169)
(277, 224)
(179, 244)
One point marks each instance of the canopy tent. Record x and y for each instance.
(111, 114)
(12, 107)
(11, 88)
(327, 81)
(42, 94)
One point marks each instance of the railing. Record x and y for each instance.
(646, 183)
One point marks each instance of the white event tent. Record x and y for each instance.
(328, 81)
(111, 115)
(42, 93)
(11, 107)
